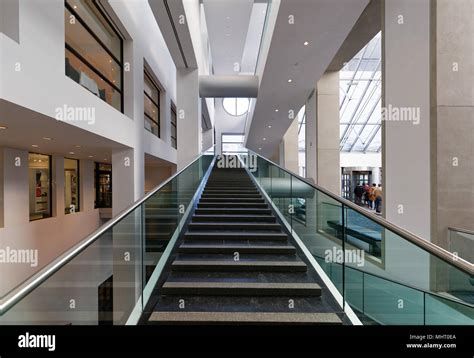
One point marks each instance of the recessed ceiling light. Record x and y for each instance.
(105, 159)
(306, 43)
(259, 148)
(290, 80)
(3, 127)
(264, 138)
(78, 146)
(269, 126)
(91, 156)
(35, 145)
(71, 153)
(47, 138)
(276, 110)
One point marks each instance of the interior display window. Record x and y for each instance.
(174, 128)
(40, 190)
(151, 105)
(103, 185)
(93, 51)
(71, 186)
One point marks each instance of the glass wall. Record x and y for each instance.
(174, 128)
(39, 172)
(103, 185)
(93, 51)
(71, 185)
(152, 105)
(233, 143)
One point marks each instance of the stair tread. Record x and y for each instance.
(237, 263)
(243, 285)
(247, 317)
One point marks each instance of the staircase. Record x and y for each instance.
(235, 264)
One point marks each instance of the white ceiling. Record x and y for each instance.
(227, 24)
(324, 24)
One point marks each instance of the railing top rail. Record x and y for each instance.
(9, 299)
(433, 249)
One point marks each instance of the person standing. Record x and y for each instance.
(378, 199)
(372, 196)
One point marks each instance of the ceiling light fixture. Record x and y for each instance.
(71, 153)
(290, 80)
(78, 146)
(264, 138)
(269, 126)
(47, 138)
(306, 43)
(91, 156)
(3, 127)
(259, 148)
(276, 110)
(35, 145)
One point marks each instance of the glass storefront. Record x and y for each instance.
(39, 172)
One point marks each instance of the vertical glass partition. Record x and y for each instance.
(385, 274)
(106, 278)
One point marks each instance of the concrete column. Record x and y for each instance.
(289, 148)
(189, 116)
(406, 123)
(322, 134)
(453, 190)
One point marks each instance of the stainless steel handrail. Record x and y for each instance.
(37, 279)
(437, 251)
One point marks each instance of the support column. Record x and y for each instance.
(322, 134)
(289, 148)
(406, 121)
(189, 116)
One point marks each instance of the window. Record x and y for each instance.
(71, 186)
(103, 185)
(236, 106)
(39, 168)
(233, 143)
(152, 105)
(94, 51)
(174, 127)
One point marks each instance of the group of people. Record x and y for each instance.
(370, 196)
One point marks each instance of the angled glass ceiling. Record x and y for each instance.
(360, 100)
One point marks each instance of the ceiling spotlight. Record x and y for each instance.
(3, 127)
(276, 110)
(269, 126)
(78, 146)
(306, 43)
(35, 145)
(264, 138)
(259, 148)
(91, 156)
(290, 80)
(71, 153)
(47, 138)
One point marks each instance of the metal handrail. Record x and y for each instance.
(37, 279)
(433, 249)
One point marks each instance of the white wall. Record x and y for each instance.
(225, 123)
(40, 84)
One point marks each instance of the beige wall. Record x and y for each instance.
(155, 175)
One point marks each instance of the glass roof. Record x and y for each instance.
(360, 100)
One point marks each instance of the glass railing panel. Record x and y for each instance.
(104, 283)
(377, 250)
(461, 243)
(389, 303)
(100, 286)
(354, 288)
(441, 311)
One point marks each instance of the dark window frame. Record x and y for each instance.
(119, 62)
(50, 168)
(158, 109)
